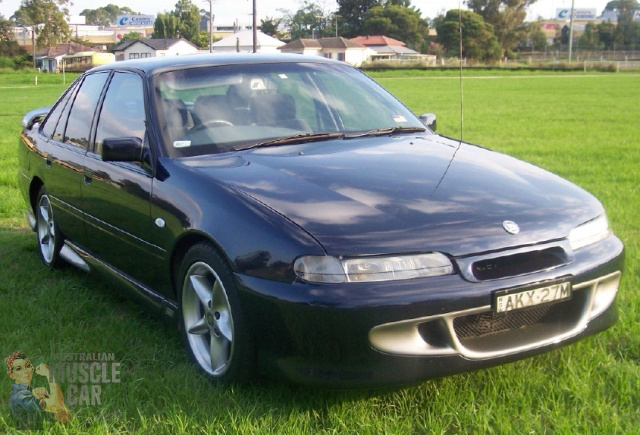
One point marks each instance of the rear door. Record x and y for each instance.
(67, 130)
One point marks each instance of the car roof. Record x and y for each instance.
(154, 65)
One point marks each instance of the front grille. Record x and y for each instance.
(478, 325)
(519, 264)
(489, 331)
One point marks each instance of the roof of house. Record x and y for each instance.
(156, 44)
(245, 38)
(394, 50)
(64, 49)
(377, 40)
(328, 43)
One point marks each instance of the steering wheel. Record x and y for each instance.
(215, 123)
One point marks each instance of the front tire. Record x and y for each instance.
(49, 236)
(213, 328)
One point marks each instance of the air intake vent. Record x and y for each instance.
(518, 264)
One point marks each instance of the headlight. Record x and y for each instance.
(590, 232)
(369, 269)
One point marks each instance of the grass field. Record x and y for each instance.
(583, 127)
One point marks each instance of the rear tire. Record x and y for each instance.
(211, 321)
(49, 236)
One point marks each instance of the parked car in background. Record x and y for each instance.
(296, 219)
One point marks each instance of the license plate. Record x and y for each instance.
(511, 300)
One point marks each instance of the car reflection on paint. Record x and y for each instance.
(295, 219)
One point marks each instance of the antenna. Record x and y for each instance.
(461, 98)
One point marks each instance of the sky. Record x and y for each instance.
(229, 10)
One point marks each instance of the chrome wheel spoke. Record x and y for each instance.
(44, 212)
(225, 327)
(219, 351)
(200, 285)
(219, 302)
(199, 327)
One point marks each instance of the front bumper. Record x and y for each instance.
(375, 334)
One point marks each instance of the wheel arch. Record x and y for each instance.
(182, 246)
(34, 188)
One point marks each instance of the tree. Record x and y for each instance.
(270, 25)
(165, 26)
(132, 36)
(478, 40)
(627, 30)
(202, 40)
(6, 29)
(188, 16)
(310, 21)
(106, 15)
(398, 22)
(353, 13)
(52, 25)
(538, 37)
(507, 18)
(590, 38)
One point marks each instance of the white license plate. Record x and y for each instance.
(517, 300)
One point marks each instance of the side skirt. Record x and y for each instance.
(155, 301)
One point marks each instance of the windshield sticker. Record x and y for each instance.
(283, 76)
(181, 143)
(399, 118)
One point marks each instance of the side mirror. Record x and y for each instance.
(429, 119)
(35, 116)
(122, 149)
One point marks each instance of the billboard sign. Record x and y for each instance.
(584, 14)
(135, 20)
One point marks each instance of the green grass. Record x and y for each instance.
(584, 128)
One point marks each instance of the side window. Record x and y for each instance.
(49, 125)
(122, 113)
(58, 134)
(84, 106)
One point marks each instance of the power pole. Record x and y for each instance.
(210, 25)
(255, 28)
(33, 44)
(571, 32)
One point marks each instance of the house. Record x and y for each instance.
(334, 48)
(242, 42)
(386, 48)
(50, 59)
(141, 48)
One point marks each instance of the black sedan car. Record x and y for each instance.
(297, 220)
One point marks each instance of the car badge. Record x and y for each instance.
(511, 227)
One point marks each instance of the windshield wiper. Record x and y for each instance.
(296, 138)
(386, 132)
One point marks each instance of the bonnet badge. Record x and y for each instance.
(511, 227)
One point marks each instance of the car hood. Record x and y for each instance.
(403, 194)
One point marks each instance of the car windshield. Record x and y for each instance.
(216, 109)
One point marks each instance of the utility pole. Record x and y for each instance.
(210, 25)
(33, 44)
(571, 31)
(255, 28)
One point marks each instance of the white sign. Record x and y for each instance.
(135, 20)
(578, 14)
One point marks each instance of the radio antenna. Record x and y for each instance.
(461, 98)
